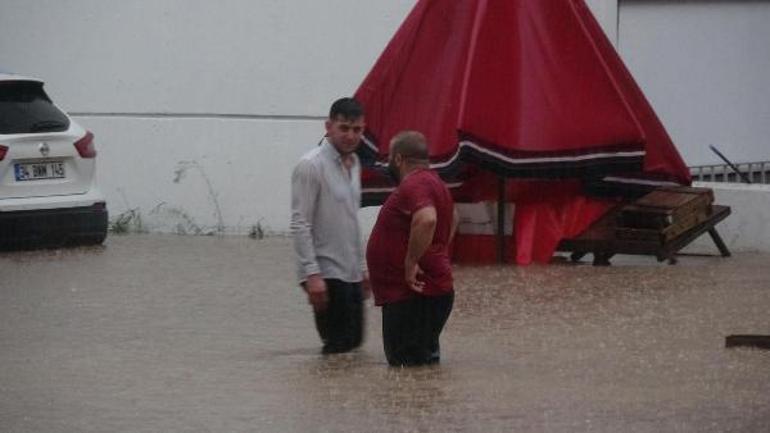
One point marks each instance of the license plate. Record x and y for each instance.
(39, 170)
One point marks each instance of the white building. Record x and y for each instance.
(200, 109)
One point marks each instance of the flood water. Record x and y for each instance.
(159, 333)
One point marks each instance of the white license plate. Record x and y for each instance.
(39, 170)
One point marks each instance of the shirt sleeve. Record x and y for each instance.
(361, 244)
(305, 187)
(415, 196)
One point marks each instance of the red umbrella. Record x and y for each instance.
(523, 89)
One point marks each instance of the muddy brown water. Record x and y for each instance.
(157, 333)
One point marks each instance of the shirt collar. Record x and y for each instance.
(330, 151)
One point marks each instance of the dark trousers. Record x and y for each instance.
(411, 329)
(341, 324)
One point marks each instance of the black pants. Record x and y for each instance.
(411, 329)
(341, 324)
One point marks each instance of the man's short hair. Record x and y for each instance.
(411, 145)
(347, 108)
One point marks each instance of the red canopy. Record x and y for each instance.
(526, 89)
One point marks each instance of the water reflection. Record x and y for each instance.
(167, 333)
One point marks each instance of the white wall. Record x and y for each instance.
(606, 12)
(704, 67)
(238, 87)
(234, 89)
(265, 57)
(748, 226)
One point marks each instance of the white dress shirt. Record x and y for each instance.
(325, 199)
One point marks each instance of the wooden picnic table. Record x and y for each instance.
(601, 240)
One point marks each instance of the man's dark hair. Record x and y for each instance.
(347, 108)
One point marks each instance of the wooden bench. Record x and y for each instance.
(601, 240)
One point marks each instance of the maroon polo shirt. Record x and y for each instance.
(386, 250)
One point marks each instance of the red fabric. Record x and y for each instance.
(476, 249)
(523, 80)
(540, 226)
(386, 251)
(662, 160)
(417, 81)
(536, 82)
(546, 212)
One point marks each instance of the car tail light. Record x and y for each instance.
(3, 151)
(85, 146)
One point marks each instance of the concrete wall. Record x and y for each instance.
(704, 67)
(231, 93)
(200, 109)
(266, 57)
(748, 226)
(606, 13)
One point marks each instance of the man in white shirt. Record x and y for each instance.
(325, 199)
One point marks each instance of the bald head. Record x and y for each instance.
(408, 152)
(411, 145)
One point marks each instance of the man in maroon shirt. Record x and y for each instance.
(408, 256)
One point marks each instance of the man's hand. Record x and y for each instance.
(315, 286)
(412, 271)
(366, 286)
(421, 231)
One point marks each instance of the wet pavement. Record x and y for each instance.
(157, 333)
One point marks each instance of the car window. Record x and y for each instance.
(25, 108)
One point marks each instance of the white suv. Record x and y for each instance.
(48, 196)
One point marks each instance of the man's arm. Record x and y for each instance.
(305, 187)
(421, 232)
(455, 223)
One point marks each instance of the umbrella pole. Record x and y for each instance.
(501, 220)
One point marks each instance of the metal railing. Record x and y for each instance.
(755, 172)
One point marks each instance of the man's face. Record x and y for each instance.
(345, 134)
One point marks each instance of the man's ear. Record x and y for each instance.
(328, 125)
